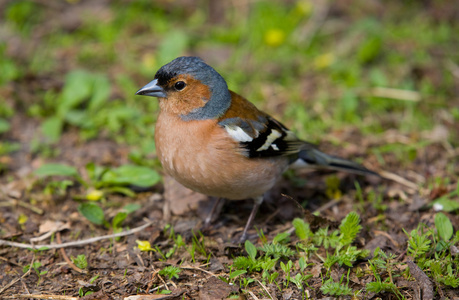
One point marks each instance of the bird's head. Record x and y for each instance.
(189, 88)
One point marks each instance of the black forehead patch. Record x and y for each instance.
(164, 77)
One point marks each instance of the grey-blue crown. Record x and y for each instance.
(220, 99)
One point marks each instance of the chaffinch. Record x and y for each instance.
(216, 142)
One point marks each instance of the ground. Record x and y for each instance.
(376, 82)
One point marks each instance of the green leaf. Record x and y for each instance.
(80, 261)
(370, 49)
(281, 238)
(54, 169)
(77, 88)
(120, 190)
(444, 226)
(301, 228)
(237, 273)
(251, 249)
(131, 207)
(165, 292)
(78, 117)
(101, 92)
(4, 125)
(95, 172)
(446, 204)
(302, 263)
(332, 288)
(118, 219)
(277, 250)
(349, 228)
(130, 174)
(170, 272)
(92, 212)
(52, 128)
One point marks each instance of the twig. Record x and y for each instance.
(66, 258)
(76, 243)
(164, 282)
(453, 68)
(398, 179)
(422, 279)
(253, 295)
(271, 216)
(396, 94)
(25, 286)
(156, 297)
(35, 296)
(388, 236)
(266, 290)
(157, 288)
(199, 269)
(328, 205)
(15, 202)
(17, 279)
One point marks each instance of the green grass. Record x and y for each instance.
(272, 263)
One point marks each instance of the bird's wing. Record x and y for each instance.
(262, 136)
(259, 134)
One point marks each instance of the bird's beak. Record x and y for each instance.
(152, 89)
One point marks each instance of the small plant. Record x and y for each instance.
(245, 281)
(232, 275)
(418, 243)
(80, 261)
(82, 293)
(432, 250)
(349, 229)
(277, 250)
(302, 230)
(386, 286)
(35, 266)
(300, 279)
(448, 202)
(96, 215)
(198, 245)
(103, 180)
(382, 264)
(282, 238)
(252, 263)
(271, 277)
(322, 237)
(170, 272)
(178, 241)
(341, 240)
(332, 288)
(287, 268)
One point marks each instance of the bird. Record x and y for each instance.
(216, 142)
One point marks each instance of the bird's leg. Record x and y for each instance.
(257, 203)
(211, 214)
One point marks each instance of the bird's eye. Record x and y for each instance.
(180, 85)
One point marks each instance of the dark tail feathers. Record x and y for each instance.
(317, 159)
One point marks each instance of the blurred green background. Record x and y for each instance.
(338, 71)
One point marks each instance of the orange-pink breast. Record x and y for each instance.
(203, 157)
